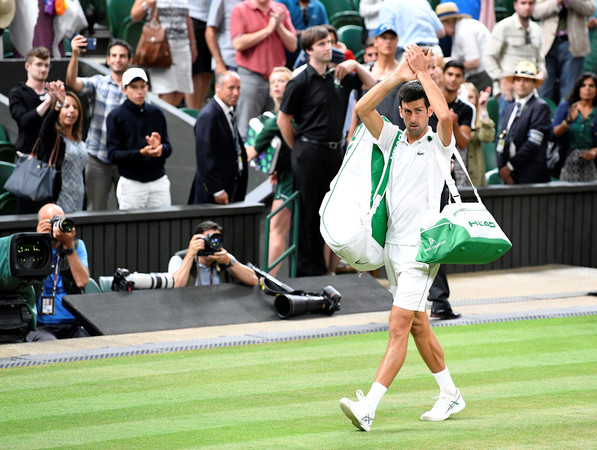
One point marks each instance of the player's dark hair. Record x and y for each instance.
(412, 91)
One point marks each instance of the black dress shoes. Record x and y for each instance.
(444, 314)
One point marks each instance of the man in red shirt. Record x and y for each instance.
(260, 30)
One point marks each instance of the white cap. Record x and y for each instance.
(132, 74)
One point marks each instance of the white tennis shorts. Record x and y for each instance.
(409, 280)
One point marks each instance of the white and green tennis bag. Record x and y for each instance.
(462, 233)
(353, 213)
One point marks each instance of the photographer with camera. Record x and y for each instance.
(70, 276)
(202, 263)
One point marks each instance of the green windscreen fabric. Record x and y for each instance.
(379, 221)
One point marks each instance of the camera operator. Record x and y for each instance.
(193, 267)
(70, 276)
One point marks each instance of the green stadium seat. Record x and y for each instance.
(344, 18)
(102, 7)
(131, 32)
(3, 134)
(7, 43)
(92, 287)
(359, 55)
(493, 110)
(552, 105)
(105, 283)
(503, 9)
(433, 3)
(118, 11)
(8, 152)
(336, 6)
(190, 111)
(351, 35)
(8, 204)
(6, 169)
(493, 177)
(489, 155)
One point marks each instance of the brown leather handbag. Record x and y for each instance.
(153, 49)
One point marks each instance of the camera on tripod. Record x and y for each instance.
(213, 243)
(64, 224)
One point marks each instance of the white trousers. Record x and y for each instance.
(133, 194)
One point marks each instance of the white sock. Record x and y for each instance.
(445, 382)
(375, 394)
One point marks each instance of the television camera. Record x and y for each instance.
(25, 258)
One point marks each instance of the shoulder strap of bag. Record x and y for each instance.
(54, 155)
(445, 171)
(33, 153)
(380, 191)
(154, 19)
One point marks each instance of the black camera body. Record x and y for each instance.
(213, 243)
(64, 224)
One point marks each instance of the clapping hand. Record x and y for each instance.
(154, 145)
(56, 90)
(417, 60)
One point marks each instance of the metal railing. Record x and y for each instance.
(292, 249)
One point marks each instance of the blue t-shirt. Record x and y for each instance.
(415, 22)
(61, 315)
(472, 7)
(316, 14)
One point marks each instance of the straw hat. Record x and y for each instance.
(449, 10)
(525, 69)
(7, 12)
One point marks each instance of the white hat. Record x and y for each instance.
(7, 12)
(132, 74)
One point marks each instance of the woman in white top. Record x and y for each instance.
(171, 84)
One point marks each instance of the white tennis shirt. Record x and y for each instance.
(407, 193)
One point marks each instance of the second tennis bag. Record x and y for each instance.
(462, 233)
(353, 213)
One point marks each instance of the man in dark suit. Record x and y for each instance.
(221, 175)
(522, 141)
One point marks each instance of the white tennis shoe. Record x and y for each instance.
(444, 407)
(359, 412)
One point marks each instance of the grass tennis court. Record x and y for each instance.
(526, 384)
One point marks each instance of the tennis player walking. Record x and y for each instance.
(414, 177)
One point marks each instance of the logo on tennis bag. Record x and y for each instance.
(353, 213)
(463, 233)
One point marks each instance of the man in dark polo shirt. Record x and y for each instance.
(317, 99)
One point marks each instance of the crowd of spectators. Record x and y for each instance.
(523, 62)
(252, 37)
